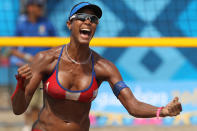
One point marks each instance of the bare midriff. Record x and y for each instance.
(63, 115)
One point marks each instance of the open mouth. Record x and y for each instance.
(85, 32)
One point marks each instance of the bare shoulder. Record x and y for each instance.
(104, 68)
(45, 57)
(102, 63)
(44, 60)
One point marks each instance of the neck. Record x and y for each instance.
(78, 52)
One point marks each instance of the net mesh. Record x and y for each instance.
(141, 18)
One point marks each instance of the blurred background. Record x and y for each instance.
(154, 74)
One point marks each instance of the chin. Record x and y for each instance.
(84, 41)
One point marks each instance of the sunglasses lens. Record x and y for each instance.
(84, 17)
(94, 19)
(81, 17)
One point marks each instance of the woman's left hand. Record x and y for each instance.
(172, 109)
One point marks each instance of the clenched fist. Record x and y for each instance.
(24, 74)
(173, 108)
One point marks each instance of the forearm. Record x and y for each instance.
(25, 56)
(19, 103)
(19, 99)
(142, 110)
(135, 107)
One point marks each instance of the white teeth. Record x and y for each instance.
(85, 29)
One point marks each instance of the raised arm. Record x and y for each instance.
(135, 107)
(28, 79)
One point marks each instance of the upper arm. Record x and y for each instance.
(39, 66)
(107, 71)
(112, 75)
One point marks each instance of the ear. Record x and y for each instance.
(68, 23)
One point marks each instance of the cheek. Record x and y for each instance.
(94, 28)
(74, 27)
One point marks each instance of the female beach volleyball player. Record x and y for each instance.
(71, 75)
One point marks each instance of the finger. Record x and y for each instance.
(169, 109)
(28, 74)
(180, 106)
(177, 109)
(25, 70)
(29, 77)
(24, 75)
(174, 109)
(169, 104)
(175, 114)
(176, 99)
(22, 67)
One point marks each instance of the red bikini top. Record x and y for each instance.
(53, 87)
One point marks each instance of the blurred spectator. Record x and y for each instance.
(4, 53)
(33, 24)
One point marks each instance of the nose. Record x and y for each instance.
(88, 21)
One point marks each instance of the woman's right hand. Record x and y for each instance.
(24, 74)
(21, 97)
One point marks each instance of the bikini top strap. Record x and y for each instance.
(92, 58)
(60, 54)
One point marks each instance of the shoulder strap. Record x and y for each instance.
(92, 58)
(60, 55)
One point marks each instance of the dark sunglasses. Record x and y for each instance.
(83, 17)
